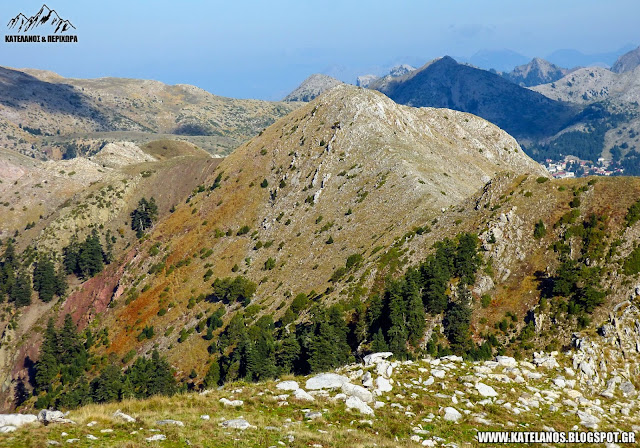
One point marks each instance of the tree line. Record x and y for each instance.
(65, 364)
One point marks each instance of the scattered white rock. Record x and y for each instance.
(237, 423)
(301, 394)
(326, 381)
(367, 380)
(438, 373)
(506, 361)
(588, 420)
(205, 417)
(486, 391)
(7, 428)
(312, 415)
(375, 358)
(170, 422)
(627, 388)
(383, 385)
(356, 403)
(121, 415)
(46, 416)
(288, 385)
(357, 391)
(156, 438)
(231, 403)
(451, 414)
(17, 419)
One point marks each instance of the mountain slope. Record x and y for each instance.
(445, 83)
(338, 201)
(583, 86)
(610, 123)
(627, 62)
(536, 72)
(45, 205)
(347, 173)
(42, 110)
(312, 87)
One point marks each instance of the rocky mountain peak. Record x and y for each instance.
(538, 71)
(627, 62)
(312, 87)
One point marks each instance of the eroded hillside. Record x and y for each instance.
(46, 115)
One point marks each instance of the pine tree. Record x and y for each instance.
(212, 378)
(434, 295)
(467, 260)
(456, 323)
(288, 353)
(44, 279)
(340, 332)
(70, 256)
(374, 313)
(91, 256)
(397, 330)
(143, 216)
(106, 387)
(61, 283)
(20, 292)
(379, 344)
(321, 349)
(415, 313)
(126, 391)
(47, 366)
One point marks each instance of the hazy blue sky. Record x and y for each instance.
(253, 49)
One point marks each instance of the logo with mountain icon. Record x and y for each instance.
(46, 17)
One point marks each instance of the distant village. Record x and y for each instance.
(572, 166)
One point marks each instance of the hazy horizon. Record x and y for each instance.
(263, 51)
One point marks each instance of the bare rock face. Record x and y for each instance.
(313, 86)
(627, 62)
(116, 155)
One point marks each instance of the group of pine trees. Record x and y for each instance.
(266, 350)
(65, 363)
(394, 321)
(22, 274)
(86, 259)
(16, 285)
(331, 337)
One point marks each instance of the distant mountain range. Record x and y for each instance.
(445, 83)
(394, 72)
(41, 111)
(553, 111)
(575, 58)
(45, 16)
(536, 72)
